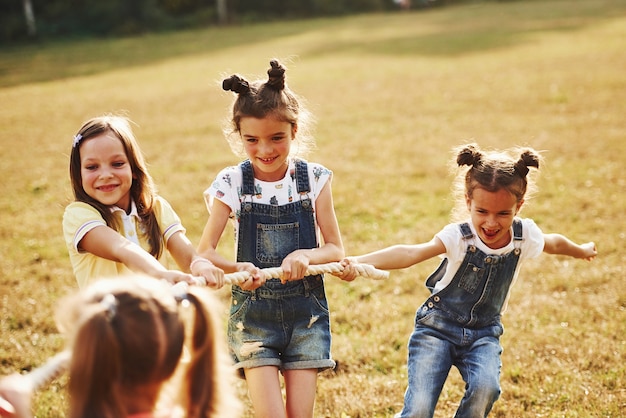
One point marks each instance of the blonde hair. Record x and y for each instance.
(268, 99)
(493, 171)
(127, 336)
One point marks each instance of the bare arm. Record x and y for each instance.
(15, 397)
(559, 244)
(105, 242)
(403, 256)
(294, 266)
(394, 257)
(211, 235)
(188, 260)
(207, 247)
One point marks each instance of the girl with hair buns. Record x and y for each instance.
(282, 210)
(126, 336)
(460, 323)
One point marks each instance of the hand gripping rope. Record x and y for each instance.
(363, 270)
(56, 365)
(37, 378)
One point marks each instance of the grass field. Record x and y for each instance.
(392, 93)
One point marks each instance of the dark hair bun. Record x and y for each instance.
(469, 155)
(276, 75)
(236, 84)
(528, 159)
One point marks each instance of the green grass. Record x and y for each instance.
(393, 93)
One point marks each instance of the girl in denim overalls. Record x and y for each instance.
(459, 324)
(279, 205)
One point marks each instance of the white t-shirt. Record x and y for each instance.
(228, 185)
(456, 246)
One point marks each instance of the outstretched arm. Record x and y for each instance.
(15, 397)
(104, 242)
(559, 244)
(403, 256)
(394, 257)
(207, 247)
(188, 260)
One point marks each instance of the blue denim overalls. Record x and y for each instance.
(460, 326)
(284, 325)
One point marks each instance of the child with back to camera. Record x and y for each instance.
(117, 223)
(460, 323)
(279, 205)
(126, 336)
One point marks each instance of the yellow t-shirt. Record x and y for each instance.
(80, 218)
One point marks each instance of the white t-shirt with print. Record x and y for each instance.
(456, 247)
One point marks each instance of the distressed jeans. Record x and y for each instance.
(433, 352)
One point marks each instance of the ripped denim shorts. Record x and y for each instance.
(283, 325)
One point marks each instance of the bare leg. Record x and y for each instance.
(300, 386)
(265, 393)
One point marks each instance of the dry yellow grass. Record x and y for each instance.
(392, 94)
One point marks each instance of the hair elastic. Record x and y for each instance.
(77, 139)
(109, 302)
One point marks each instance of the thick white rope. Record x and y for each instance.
(50, 370)
(363, 270)
(56, 365)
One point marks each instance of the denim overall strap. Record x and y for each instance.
(438, 274)
(466, 231)
(248, 178)
(476, 294)
(302, 177)
(517, 233)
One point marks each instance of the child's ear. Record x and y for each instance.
(294, 130)
(468, 201)
(519, 206)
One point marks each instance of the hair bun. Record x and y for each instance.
(236, 84)
(527, 159)
(469, 155)
(276, 75)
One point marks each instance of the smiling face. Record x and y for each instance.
(492, 215)
(267, 143)
(105, 170)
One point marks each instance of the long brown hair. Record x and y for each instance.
(128, 333)
(142, 190)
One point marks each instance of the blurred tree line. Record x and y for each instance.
(46, 19)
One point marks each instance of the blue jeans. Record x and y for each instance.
(435, 346)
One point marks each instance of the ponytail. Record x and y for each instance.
(94, 368)
(208, 378)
